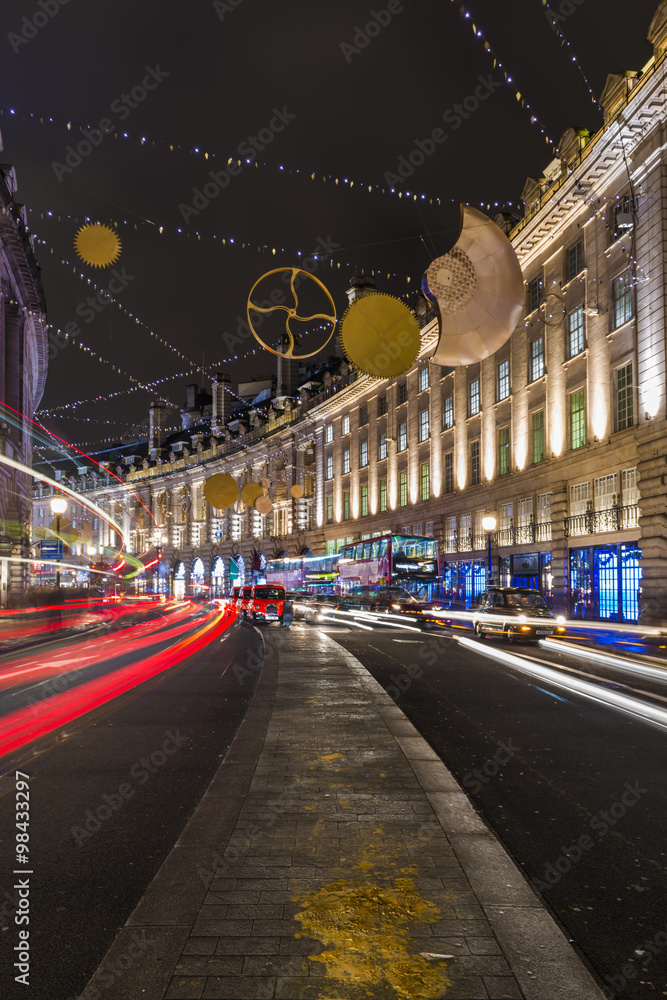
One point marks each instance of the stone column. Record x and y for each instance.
(652, 475)
(560, 548)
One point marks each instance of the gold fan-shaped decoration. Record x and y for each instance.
(380, 335)
(97, 245)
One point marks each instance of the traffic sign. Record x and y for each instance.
(51, 548)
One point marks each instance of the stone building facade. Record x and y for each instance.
(562, 434)
(23, 368)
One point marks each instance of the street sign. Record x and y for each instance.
(51, 548)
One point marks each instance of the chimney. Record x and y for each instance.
(287, 374)
(360, 286)
(222, 403)
(156, 426)
(191, 396)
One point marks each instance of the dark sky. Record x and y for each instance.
(228, 67)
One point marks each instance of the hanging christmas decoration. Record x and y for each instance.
(97, 245)
(63, 529)
(296, 274)
(380, 335)
(85, 531)
(296, 492)
(478, 290)
(263, 505)
(250, 492)
(221, 491)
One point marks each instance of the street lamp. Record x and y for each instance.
(58, 507)
(489, 525)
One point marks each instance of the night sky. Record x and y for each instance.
(220, 73)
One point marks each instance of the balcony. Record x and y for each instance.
(597, 522)
(522, 534)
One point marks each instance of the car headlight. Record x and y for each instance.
(522, 618)
(396, 607)
(560, 619)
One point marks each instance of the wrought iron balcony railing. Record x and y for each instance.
(596, 522)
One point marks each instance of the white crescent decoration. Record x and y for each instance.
(478, 288)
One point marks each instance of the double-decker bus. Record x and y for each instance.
(312, 574)
(407, 561)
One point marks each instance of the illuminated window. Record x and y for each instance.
(576, 419)
(575, 332)
(536, 359)
(328, 434)
(329, 510)
(605, 491)
(363, 454)
(423, 425)
(475, 465)
(423, 378)
(346, 505)
(624, 397)
(382, 404)
(544, 508)
(574, 260)
(621, 294)
(346, 461)
(629, 491)
(382, 447)
(502, 380)
(424, 482)
(538, 437)
(363, 416)
(402, 392)
(403, 489)
(473, 397)
(383, 495)
(403, 435)
(449, 472)
(345, 425)
(329, 466)
(364, 501)
(447, 412)
(533, 294)
(504, 451)
(580, 495)
(619, 217)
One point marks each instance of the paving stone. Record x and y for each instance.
(185, 988)
(236, 988)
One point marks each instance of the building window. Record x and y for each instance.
(579, 497)
(423, 425)
(382, 404)
(475, 466)
(577, 419)
(605, 490)
(328, 434)
(382, 447)
(449, 472)
(403, 489)
(544, 508)
(538, 437)
(346, 461)
(575, 332)
(329, 466)
(447, 412)
(346, 505)
(621, 294)
(363, 416)
(424, 482)
(574, 260)
(364, 501)
(504, 451)
(502, 380)
(329, 510)
(619, 224)
(403, 436)
(624, 397)
(345, 425)
(423, 378)
(533, 294)
(402, 392)
(363, 454)
(383, 495)
(536, 359)
(473, 397)
(630, 493)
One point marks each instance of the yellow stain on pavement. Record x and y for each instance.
(327, 757)
(364, 927)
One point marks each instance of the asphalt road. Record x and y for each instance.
(574, 789)
(109, 798)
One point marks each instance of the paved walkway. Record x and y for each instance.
(335, 857)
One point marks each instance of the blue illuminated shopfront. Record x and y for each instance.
(463, 582)
(605, 581)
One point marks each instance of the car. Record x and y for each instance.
(269, 603)
(302, 602)
(520, 613)
(395, 601)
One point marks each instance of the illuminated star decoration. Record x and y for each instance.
(97, 245)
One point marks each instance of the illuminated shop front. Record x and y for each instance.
(605, 582)
(463, 582)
